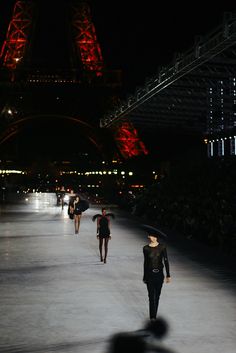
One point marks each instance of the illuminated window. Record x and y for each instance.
(221, 148)
(210, 150)
(233, 146)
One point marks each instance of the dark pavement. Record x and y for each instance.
(56, 295)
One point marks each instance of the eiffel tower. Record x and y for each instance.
(55, 86)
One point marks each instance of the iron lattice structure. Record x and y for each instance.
(88, 62)
(128, 141)
(83, 31)
(193, 96)
(215, 55)
(17, 40)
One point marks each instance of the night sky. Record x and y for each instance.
(142, 38)
(134, 37)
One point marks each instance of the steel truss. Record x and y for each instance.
(17, 38)
(182, 88)
(87, 45)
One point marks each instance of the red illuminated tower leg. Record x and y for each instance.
(16, 42)
(128, 142)
(85, 38)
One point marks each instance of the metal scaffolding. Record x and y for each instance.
(185, 93)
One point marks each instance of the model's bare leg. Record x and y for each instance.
(75, 220)
(77, 223)
(100, 248)
(106, 240)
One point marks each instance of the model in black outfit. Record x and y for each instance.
(77, 213)
(103, 232)
(155, 258)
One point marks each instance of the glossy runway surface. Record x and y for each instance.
(56, 295)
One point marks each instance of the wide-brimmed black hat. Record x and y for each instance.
(153, 231)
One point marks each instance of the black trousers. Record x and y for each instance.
(154, 286)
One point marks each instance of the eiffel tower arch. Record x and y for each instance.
(53, 79)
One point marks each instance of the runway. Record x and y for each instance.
(56, 295)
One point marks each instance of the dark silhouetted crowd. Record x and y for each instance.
(197, 200)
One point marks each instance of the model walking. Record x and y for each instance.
(155, 258)
(103, 232)
(77, 213)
